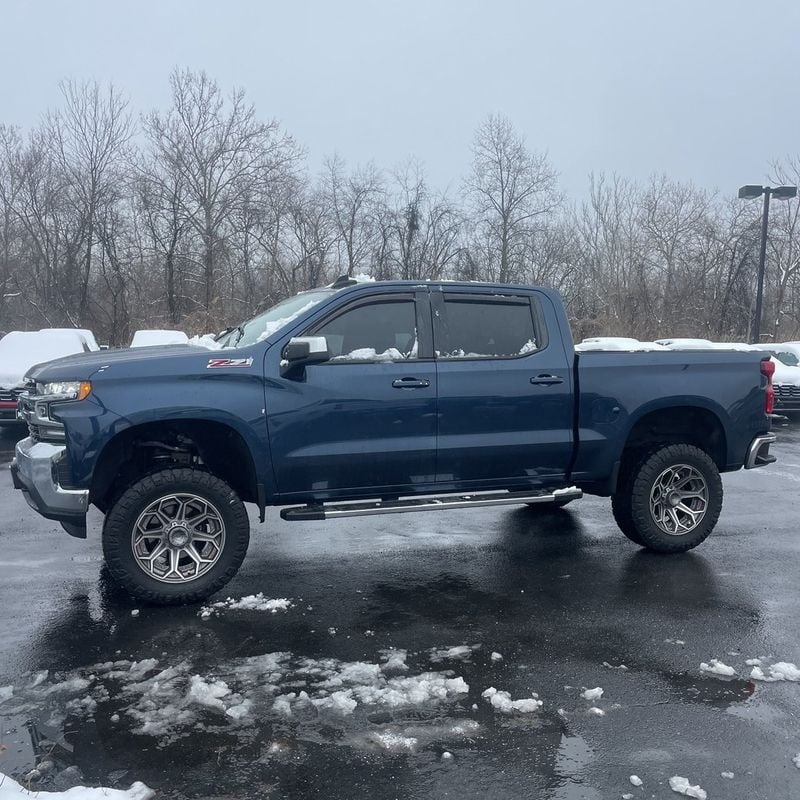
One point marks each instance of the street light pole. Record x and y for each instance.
(762, 264)
(751, 192)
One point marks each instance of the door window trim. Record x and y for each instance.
(438, 300)
(422, 321)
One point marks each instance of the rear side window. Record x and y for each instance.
(471, 327)
(379, 331)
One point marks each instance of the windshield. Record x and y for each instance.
(258, 328)
(790, 359)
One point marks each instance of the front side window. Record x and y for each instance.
(471, 327)
(382, 330)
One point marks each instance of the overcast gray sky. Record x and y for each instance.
(699, 90)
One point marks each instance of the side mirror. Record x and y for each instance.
(302, 351)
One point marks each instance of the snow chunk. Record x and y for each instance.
(11, 790)
(207, 693)
(497, 657)
(796, 761)
(635, 780)
(716, 667)
(362, 277)
(598, 712)
(394, 741)
(252, 602)
(6, 692)
(592, 694)
(370, 354)
(780, 671)
(627, 796)
(341, 702)
(528, 347)
(73, 685)
(502, 701)
(394, 660)
(611, 666)
(460, 652)
(682, 786)
(729, 775)
(753, 662)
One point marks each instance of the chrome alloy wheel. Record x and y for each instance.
(679, 499)
(178, 538)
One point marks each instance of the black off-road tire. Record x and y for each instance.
(631, 504)
(124, 512)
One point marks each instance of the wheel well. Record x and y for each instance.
(683, 424)
(146, 448)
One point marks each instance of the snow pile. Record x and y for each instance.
(11, 790)
(252, 602)
(154, 338)
(395, 742)
(22, 350)
(716, 667)
(362, 277)
(635, 780)
(780, 671)
(528, 347)
(207, 693)
(796, 760)
(592, 694)
(502, 702)
(207, 340)
(370, 354)
(682, 786)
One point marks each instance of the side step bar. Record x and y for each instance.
(428, 503)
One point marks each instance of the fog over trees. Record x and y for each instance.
(199, 215)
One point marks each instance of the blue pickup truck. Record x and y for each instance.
(381, 397)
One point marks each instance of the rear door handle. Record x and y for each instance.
(411, 383)
(546, 380)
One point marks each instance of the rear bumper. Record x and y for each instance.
(758, 454)
(34, 470)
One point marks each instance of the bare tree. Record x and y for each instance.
(508, 188)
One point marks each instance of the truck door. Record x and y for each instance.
(505, 389)
(365, 420)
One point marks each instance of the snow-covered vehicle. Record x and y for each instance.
(20, 351)
(155, 338)
(86, 336)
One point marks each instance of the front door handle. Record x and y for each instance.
(411, 383)
(546, 380)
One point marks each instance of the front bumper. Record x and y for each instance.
(758, 454)
(34, 471)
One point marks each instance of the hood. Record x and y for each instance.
(82, 366)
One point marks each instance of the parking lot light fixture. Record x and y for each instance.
(752, 191)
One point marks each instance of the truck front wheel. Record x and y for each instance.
(670, 499)
(176, 536)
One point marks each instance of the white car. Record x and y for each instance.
(86, 335)
(22, 350)
(153, 338)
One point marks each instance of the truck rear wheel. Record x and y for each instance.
(176, 536)
(669, 500)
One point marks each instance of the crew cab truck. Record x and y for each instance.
(381, 397)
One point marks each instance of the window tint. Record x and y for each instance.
(379, 331)
(471, 328)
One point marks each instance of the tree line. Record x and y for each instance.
(200, 215)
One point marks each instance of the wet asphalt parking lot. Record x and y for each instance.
(403, 613)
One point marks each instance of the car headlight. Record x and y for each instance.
(65, 390)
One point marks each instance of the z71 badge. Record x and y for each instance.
(218, 363)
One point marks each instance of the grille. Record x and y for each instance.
(786, 391)
(7, 396)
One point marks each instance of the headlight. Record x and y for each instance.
(65, 390)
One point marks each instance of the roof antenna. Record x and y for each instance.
(342, 281)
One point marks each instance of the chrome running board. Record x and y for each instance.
(428, 503)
